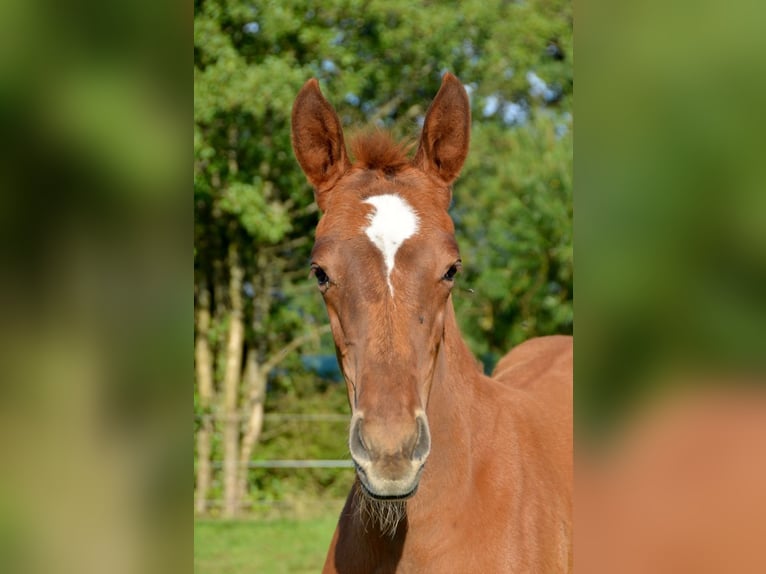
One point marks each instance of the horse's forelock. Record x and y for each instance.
(377, 150)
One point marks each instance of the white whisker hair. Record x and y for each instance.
(386, 515)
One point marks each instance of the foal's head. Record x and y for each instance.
(384, 260)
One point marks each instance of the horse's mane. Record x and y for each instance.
(377, 150)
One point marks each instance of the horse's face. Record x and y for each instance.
(384, 259)
(385, 265)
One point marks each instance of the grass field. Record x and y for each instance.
(262, 547)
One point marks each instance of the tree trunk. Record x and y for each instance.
(231, 380)
(255, 382)
(204, 366)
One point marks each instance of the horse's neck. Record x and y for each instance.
(458, 372)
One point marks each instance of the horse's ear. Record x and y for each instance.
(446, 132)
(318, 140)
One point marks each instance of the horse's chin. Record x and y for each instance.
(383, 512)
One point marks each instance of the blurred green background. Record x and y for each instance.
(671, 203)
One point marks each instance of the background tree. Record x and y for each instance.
(380, 63)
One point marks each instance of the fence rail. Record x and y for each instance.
(288, 463)
(313, 417)
(329, 417)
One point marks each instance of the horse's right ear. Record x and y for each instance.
(318, 141)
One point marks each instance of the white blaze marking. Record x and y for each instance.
(392, 222)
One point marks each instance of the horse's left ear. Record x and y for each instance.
(446, 132)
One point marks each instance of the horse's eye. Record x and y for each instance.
(452, 271)
(321, 276)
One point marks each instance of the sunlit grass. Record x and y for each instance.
(278, 546)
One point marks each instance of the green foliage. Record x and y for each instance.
(262, 220)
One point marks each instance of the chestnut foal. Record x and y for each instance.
(496, 493)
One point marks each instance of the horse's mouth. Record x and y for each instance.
(361, 474)
(388, 498)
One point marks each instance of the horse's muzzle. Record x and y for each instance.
(389, 458)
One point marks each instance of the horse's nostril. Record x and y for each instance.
(357, 445)
(423, 442)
